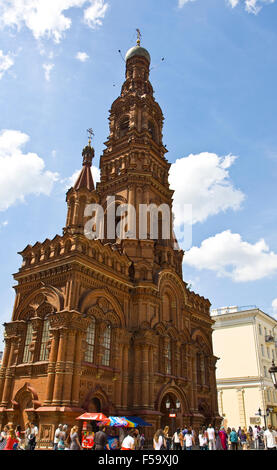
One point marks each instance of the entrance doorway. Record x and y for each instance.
(171, 414)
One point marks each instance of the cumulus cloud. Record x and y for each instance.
(82, 56)
(6, 62)
(69, 182)
(229, 256)
(21, 174)
(251, 6)
(203, 181)
(46, 19)
(47, 71)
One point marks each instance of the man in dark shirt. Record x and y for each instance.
(100, 439)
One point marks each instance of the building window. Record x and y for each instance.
(265, 332)
(106, 346)
(260, 329)
(28, 339)
(124, 126)
(44, 351)
(168, 358)
(262, 348)
(90, 342)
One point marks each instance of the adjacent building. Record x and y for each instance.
(109, 324)
(245, 340)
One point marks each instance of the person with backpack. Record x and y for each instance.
(234, 439)
(56, 436)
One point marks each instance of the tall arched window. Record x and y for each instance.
(28, 339)
(151, 130)
(89, 356)
(124, 126)
(168, 358)
(106, 346)
(44, 351)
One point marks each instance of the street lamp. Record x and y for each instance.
(167, 404)
(264, 415)
(273, 373)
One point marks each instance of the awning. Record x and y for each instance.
(138, 421)
(93, 417)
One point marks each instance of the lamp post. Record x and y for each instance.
(173, 412)
(273, 373)
(264, 415)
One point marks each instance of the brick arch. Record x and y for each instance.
(37, 297)
(97, 392)
(198, 333)
(88, 299)
(23, 391)
(172, 389)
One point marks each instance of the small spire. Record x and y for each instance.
(138, 37)
(90, 135)
(85, 179)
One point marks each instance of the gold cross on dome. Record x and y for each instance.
(90, 135)
(138, 37)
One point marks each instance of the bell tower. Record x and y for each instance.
(134, 171)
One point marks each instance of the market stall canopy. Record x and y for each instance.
(93, 417)
(138, 421)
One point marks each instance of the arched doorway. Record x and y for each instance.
(94, 406)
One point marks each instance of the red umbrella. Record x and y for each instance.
(93, 417)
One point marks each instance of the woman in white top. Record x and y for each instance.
(203, 439)
(189, 440)
(128, 442)
(159, 442)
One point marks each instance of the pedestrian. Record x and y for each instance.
(128, 442)
(18, 436)
(211, 437)
(74, 439)
(229, 430)
(256, 437)
(32, 433)
(159, 442)
(176, 440)
(167, 438)
(57, 436)
(12, 441)
(101, 438)
(270, 438)
(234, 439)
(218, 445)
(223, 438)
(62, 438)
(203, 439)
(243, 439)
(3, 437)
(136, 436)
(182, 440)
(189, 439)
(142, 441)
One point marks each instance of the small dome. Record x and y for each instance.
(139, 51)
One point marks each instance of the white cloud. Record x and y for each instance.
(95, 13)
(203, 181)
(82, 56)
(46, 18)
(274, 307)
(21, 173)
(6, 62)
(4, 224)
(69, 182)
(183, 2)
(251, 6)
(229, 256)
(47, 70)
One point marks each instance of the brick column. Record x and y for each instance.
(125, 374)
(9, 375)
(145, 375)
(80, 337)
(151, 376)
(4, 365)
(52, 366)
(69, 367)
(60, 365)
(137, 376)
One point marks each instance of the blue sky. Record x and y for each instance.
(217, 89)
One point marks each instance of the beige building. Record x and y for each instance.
(245, 341)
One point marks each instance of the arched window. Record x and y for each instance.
(28, 339)
(89, 356)
(151, 130)
(106, 346)
(124, 126)
(168, 358)
(44, 351)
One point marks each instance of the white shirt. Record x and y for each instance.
(255, 433)
(211, 434)
(176, 438)
(202, 440)
(158, 445)
(188, 439)
(128, 442)
(270, 438)
(57, 433)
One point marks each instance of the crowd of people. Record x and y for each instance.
(210, 438)
(207, 438)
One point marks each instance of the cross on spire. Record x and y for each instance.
(90, 135)
(138, 37)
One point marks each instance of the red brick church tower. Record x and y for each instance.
(109, 324)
